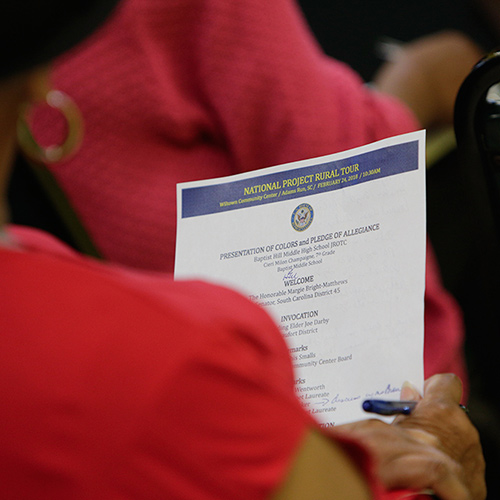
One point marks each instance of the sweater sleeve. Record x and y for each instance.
(444, 329)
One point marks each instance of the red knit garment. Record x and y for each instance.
(180, 90)
(125, 386)
(192, 89)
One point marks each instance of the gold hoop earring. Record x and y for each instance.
(54, 153)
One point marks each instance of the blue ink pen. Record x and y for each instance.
(383, 407)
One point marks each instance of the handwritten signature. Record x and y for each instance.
(389, 389)
(290, 275)
(337, 400)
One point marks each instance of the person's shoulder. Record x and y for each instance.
(33, 239)
(193, 304)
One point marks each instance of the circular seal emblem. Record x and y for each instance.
(302, 217)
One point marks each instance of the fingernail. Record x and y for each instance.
(409, 392)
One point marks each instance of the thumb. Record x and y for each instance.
(409, 392)
(443, 386)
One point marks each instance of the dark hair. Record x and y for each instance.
(33, 32)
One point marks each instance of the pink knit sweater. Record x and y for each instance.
(180, 90)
